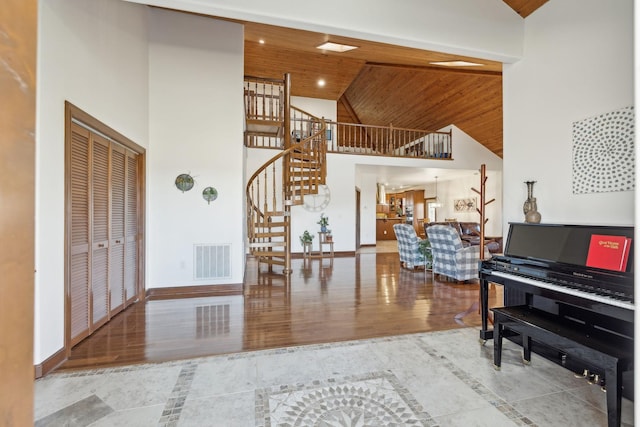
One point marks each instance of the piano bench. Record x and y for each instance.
(613, 354)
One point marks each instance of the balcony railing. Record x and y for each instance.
(387, 141)
(263, 99)
(264, 109)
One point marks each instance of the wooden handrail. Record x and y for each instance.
(373, 140)
(389, 141)
(270, 162)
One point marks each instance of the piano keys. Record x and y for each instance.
(592, 296)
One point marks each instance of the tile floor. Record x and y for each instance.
(430, 379)
(382, 246)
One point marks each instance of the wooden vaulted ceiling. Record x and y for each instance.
(381, 84)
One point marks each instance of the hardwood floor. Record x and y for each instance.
(347, 298)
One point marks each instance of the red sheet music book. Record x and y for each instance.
(608, 252)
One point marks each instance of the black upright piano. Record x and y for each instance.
(564, 270)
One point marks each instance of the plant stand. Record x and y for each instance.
(325, 247)
(307, 247)
(323, 241)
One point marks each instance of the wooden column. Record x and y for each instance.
(285, 173)
(18, 24)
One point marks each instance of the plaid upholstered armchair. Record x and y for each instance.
(450, 258)
(408, 246)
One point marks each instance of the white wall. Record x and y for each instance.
(460, 188)
(195, 125)
(318, 107)
(93, 54)
(578, 64)
(480, 28)
(341, 208)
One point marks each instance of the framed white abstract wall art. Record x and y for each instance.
(604, 153)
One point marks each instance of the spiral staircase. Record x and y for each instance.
(296, 170)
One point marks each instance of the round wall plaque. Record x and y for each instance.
(209, 194)
(184, 182)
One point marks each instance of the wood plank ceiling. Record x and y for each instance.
(381, 84)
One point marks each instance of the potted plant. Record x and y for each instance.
(425, 249)
(324, 222)
(328, 237)
(306, 238)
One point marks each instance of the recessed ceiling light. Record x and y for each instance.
(456, 63)
(335, 47)
(321, 82)
(261, 41)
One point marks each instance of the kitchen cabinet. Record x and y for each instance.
(396, 204)
(384, 228)
(407, 207)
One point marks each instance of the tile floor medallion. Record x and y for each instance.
(375, 399)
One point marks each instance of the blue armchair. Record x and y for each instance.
(450, 257)
(411, 255)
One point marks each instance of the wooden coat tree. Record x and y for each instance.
(483, 220)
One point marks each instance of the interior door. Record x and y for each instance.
(357, 219)
(131, 229)
(79, 272)
(100, 230)
(117, 232)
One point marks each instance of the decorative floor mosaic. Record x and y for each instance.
(376, 399)
(430, 379)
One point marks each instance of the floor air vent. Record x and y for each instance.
(212, 261)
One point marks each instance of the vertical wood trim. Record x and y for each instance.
(117, 238)
(142, 208)
(18, 20)
(67, 233)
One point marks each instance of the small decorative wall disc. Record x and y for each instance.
(184, 182)
(209, 194)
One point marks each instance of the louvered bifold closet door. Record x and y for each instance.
(117, 238)
(100, 229)
(79, 234)
(131, 228)
(103, 224)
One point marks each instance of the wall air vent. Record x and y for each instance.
(212, 262)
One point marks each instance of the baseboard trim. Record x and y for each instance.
(49, 364)
(176, 292)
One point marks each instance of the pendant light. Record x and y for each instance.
(437, 203)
